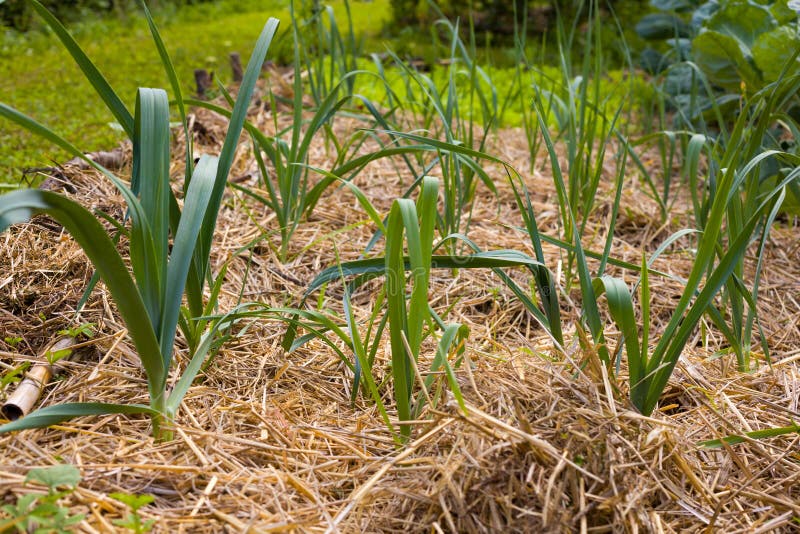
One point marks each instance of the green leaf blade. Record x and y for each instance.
(19, 206)
(53, 415)
(93, 75)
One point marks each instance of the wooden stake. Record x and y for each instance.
(236, 67)
(203, 80)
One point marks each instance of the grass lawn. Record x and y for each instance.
(39, 78)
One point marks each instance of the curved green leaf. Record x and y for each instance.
(620, 304)
(202, 352)
(52, 415)
(481, 260)
(454, 334)
(20, 206)
(93, 75)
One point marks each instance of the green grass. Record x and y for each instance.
(39, 78)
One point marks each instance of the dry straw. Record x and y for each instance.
(531, 439)
(268, 442)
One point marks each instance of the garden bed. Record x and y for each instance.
(269, 441)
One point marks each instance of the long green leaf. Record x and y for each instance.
(195, 206)
(755, 434)
(398, 316)
(20, 206)
(53, 415)
(620, 304)
(93, 75)
(134, 207)
(453, 335)
(150, 179)
(362, 363)
(169, 68)
(420, 248)
(228, 152)
(203, 352)
(590, 311)
(481, 260)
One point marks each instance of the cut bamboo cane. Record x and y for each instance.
(30, 388)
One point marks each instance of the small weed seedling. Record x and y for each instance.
(134, 521)
(12, 341)
(13, 374)
(82, 330)
(34, 512)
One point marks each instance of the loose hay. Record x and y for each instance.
(268, 441)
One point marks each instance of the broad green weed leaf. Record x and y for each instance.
(54, 476)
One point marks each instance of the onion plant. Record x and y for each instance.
(149, 299)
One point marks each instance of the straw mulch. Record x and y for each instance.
(268, 441)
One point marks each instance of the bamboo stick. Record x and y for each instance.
(30, 388)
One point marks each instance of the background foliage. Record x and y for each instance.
(17, 14)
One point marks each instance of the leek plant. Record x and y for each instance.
(328, 56)
(748, 145)
(462, 111)
(401, 306)
(544, 304)
(734, 206)
(759, 170)
(737, 213)
(149, 298)
(578, 105)
(284, 184)
(282, 159)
